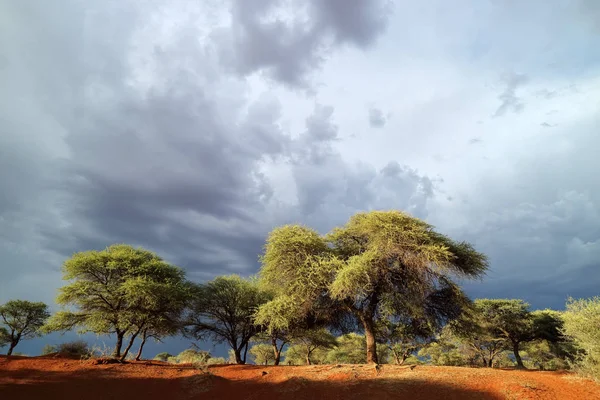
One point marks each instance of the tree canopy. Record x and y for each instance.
(22, 320)
(380, 265)
(492, 325)
(120, 290)
(223, 310)
(581, 323)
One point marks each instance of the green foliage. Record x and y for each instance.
(581, 322)
(216, 361)
(491, 326)
(120, 290)
(164, 356)
(193, 356)
(380, 265)
(403, 338)
(262, 354)
(4, 336)
(311, 345)
(48, 349)
(542, 354)
(443, 353)
(76, 349)
(296, 355)
(350, 348)
(295, 269)
(223, 310)
(20, 320)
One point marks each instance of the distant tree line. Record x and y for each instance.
(380, 289)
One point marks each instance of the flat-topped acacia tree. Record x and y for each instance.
(382, 265)
(120, 290)
(22, 319)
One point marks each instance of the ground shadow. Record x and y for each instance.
(92, 384)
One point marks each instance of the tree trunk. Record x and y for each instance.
(308, 359)
(138, 357)
(117, 351)
(396, 357)
(490, 363)
(11, 348)
(238, 355)
(404, 357)
(129, 346)
(276, 350)
(245, 353)
(371, 344)
(517, 355)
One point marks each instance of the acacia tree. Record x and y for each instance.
(380, 265)
(310, 340)
(479, 333)
(491, 326)
(262, 354)
(581, 322)
(22, 320)
(120, 290)
(405, 338)
(223, 310)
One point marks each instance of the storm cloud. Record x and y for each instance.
(194, 128)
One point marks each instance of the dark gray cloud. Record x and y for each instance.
(178, 126)
(509, 99)
(376, 118)
(152, 144)
(288, 40)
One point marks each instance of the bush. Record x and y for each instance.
(191, 356)
(444, 354)
(582, 319)
(49, 349)
(75, 349)
(216, 361)
(164, 356)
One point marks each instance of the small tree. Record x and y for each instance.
(581, 322)
(120, 290)
(404, 338)
(223, 310)
(22, 320)
(479, 333)
(311, 340)
(509, 320)
(262, 354)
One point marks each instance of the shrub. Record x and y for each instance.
(191, 356)
(164, 356)
(49, 349)
(75, 349)
(216, 361)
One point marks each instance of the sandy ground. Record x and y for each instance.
(48, 378)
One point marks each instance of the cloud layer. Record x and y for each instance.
(194, 129)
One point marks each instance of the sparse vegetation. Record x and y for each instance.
(382, 283)
(76, 349)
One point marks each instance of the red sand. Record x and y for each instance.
(48, 378)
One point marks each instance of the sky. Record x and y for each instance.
(193, 128)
